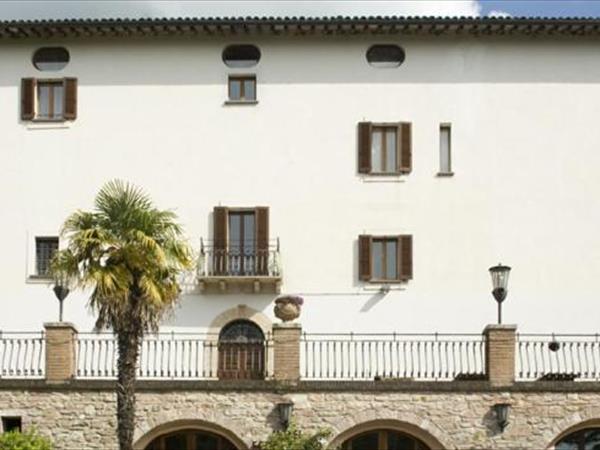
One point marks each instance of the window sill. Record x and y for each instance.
(444, 174)
(39, 279)
(240, 102)
(384, 282)
(39, 124)
(383, 177)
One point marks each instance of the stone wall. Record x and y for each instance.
(79, 416)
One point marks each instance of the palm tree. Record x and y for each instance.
(129, 254)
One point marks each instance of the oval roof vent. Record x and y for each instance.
(51, 58)
(386, 55)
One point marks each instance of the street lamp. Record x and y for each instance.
(61, 290)
(499, 275)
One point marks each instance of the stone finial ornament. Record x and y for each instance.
(288, 307)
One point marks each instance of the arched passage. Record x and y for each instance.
(189, 435)
(386, 435)
(583, 436)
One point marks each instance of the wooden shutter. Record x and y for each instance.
(364, 147)
(27, 98)
(262, 240)
(364, 257)
(405, 256)
(70, 98)
(220, 215)
(405, 145)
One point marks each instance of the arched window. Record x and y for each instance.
(385, 56)
(241, 351)
(241, 55)
(51, 58)
(586, 439)
(190, 440)
(383, 440)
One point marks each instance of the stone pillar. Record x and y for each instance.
(60, 351)
(500, 344)
(286, 342)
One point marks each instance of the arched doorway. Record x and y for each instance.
(383, 439)
(585, 439)
(191, 440)
(241, 351)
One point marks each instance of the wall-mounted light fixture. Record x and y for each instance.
(502, 410)
(285, 413)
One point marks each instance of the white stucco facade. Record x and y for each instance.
(525, 158)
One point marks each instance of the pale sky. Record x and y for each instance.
(51, 9)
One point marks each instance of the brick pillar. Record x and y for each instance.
(286, 341)
(500, 346)
(60, 351)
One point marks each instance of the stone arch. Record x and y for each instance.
(145, 437)
(589, 418)
(241, 312)
(427, 432)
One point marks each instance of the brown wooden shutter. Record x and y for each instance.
(70, 98)
(405, 251)
(364, 147)
(262, 240)
(405, 147)
(364, 257)
(27, 98)
(220, 215)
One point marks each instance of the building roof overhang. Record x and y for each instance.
(299, 26)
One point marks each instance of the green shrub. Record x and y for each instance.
(30, 440)
(294, 439)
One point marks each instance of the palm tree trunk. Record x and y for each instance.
(129, 348)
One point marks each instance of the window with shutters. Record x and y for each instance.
(45, 248)
(384, 148)
(242, 88)
(385, 258)
(48, 99)
(240, 249)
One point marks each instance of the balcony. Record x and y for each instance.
(348, 358)
(239, 269)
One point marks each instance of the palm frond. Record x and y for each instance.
(129, 254)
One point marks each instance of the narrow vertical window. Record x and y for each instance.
(445, 150)
(45, 248)
(384, 150)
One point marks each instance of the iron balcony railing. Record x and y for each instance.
(175, 356)
(239, 261)
(392, 356)
(558, 357)
(22, 354)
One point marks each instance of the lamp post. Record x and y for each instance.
(499, 275)
(61, 290)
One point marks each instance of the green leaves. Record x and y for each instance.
(295, 439)
(128, 253)
(30, 440)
